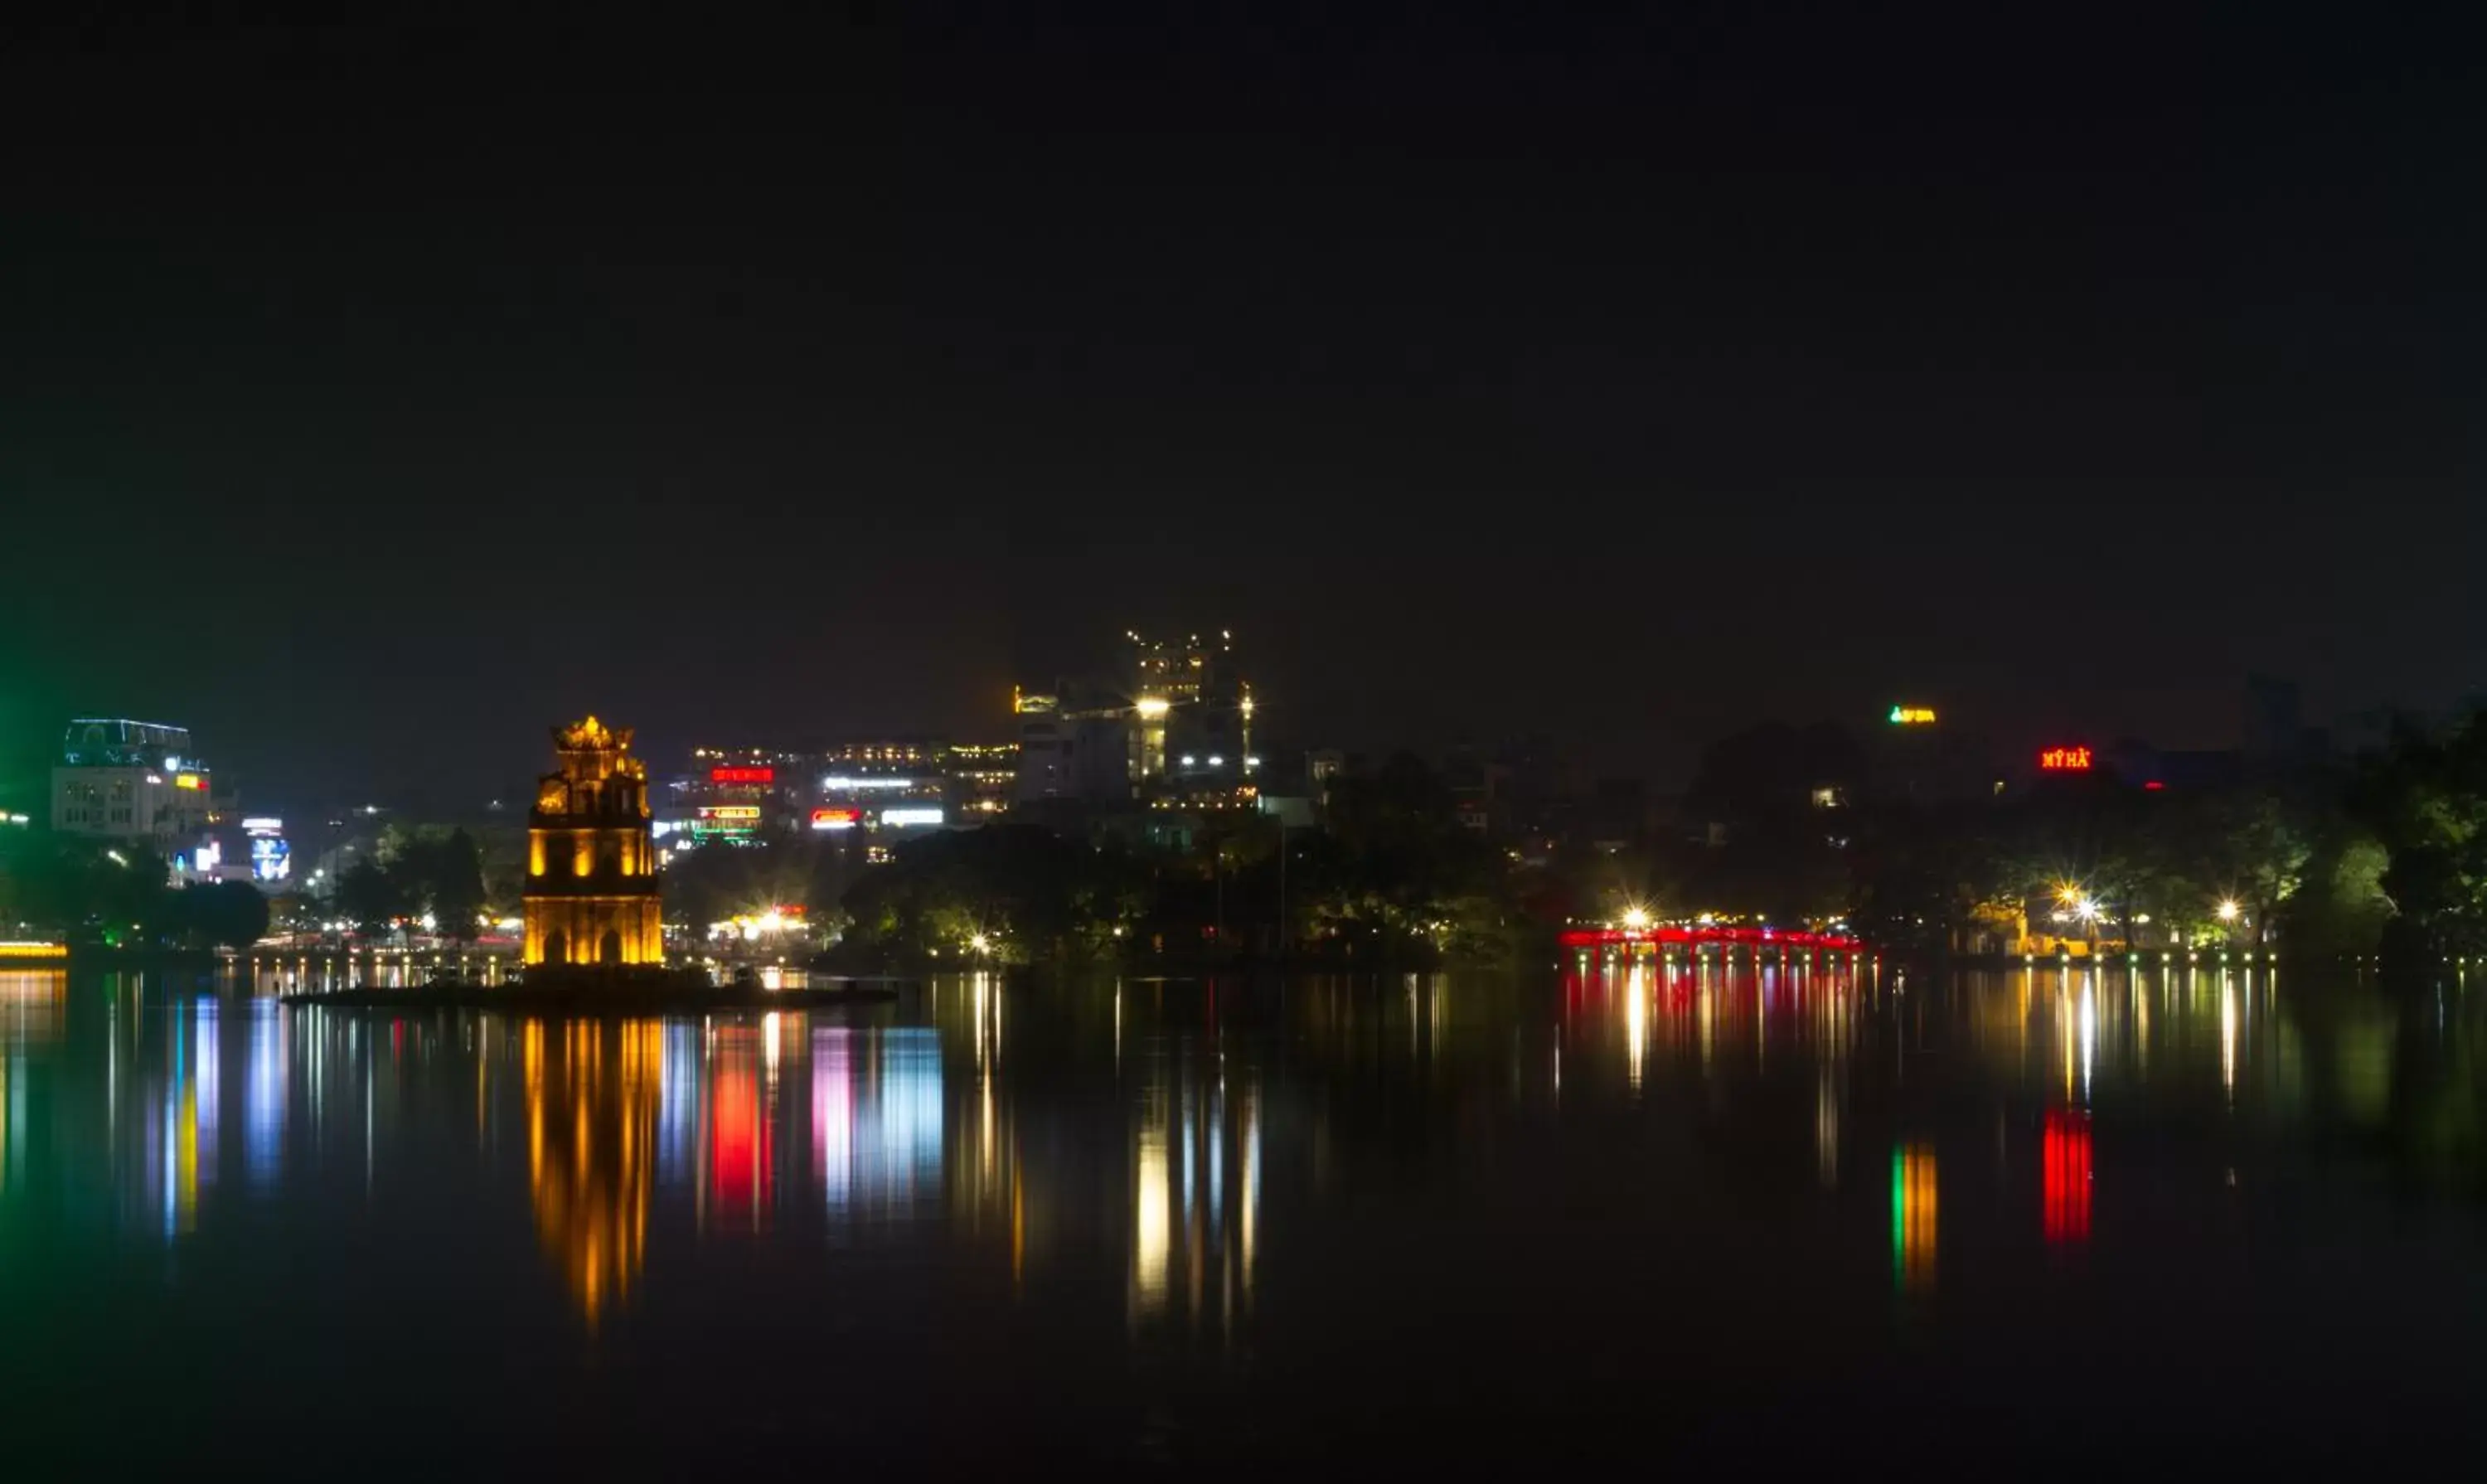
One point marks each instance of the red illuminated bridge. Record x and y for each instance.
(1696, 936)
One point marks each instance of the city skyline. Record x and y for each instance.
(1265, 737)
(2008, 743)
(1617, 380)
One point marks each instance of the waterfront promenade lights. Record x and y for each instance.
(981, 944)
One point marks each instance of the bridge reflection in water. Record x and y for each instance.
(1163, 1148)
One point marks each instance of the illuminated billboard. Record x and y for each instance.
(1913, 715)
(270, 858)
(2064, 760)
(730, 813)
(897, 819)
(191, 781)
(742, 775)
(836, 819)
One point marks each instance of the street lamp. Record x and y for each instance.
(2229, 910)
(1635, 918)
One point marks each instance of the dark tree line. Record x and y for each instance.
(96, 891)
(414, 873)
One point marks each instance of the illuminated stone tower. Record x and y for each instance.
(590, 894)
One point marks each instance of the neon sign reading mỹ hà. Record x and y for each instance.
(2064, 760)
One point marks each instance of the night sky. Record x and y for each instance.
(371, 399)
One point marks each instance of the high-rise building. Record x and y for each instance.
(129, 780)
(1172, 722)
(1073, 744)
(1192, 715)
(591, 893)
(980, 776)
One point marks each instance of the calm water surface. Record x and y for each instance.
(2016, 1221)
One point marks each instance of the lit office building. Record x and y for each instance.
(981, 777)
(1073, 743)
(1174, 724)
(1192, 712)
(886, 785)
(732, 796)
(129, 780)
(885, 756)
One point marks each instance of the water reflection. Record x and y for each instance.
(1236, 1173)
(1913, 1216)
(1195, 1195)
(740, 1112)
(2067, 1160)
(592, 1093)
(33, 1011)
(876, 1120)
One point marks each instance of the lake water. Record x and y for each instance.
(1864, 1220)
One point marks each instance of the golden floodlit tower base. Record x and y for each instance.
(591, 892)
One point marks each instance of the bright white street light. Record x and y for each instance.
(2229, 910)
(1636, 917)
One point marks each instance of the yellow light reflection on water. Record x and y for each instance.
(591, 1189)
(1153, 1214)
(2227, 1037)
(1913, 1216)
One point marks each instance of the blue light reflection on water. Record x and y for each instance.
(1268, 1190)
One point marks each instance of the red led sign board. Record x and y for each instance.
(2064, 760)
(742, 775)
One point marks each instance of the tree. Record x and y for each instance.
(2266, 850)
(1393, 871)
(2425, 800)
(1024, 892)
(370, 897)
(231, 915)
(454, 883)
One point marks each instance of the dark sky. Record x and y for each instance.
(370, 399)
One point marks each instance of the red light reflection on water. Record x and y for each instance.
(2066, 1157)
(742, 1159)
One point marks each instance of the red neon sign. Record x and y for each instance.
(742, 775)
(2064, 760)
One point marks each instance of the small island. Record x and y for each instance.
(594, 939)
